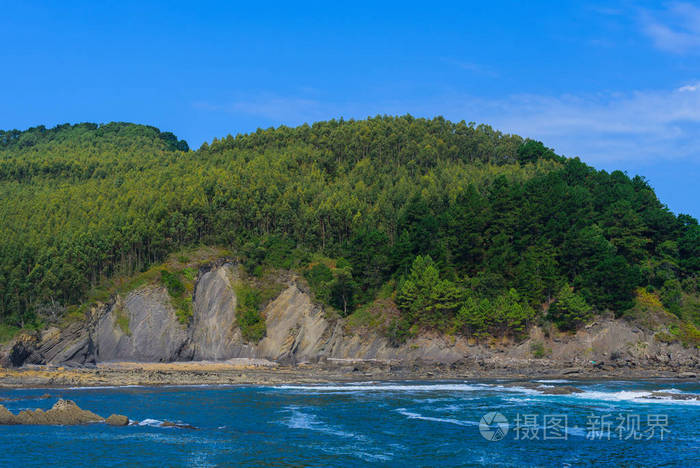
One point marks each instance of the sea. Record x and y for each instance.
(404, 424)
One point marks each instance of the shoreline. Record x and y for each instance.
(213, 373)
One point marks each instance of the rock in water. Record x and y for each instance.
(6, 417)
(117, 420)
(561, 390)
(533, 385)
(63, 413)
(674, 396)
(178, 425)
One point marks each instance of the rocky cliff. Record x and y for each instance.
(143, 326)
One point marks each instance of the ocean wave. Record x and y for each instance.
(151, 423)
(359, 453)
(520, 400)
(302, 420)
(165, 424)
(447, 409)
(526, 391)
(634, 396)
(412, 415)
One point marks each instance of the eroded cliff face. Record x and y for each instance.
(150, 330)
(214, 334)
(143, 327)
(297, 329)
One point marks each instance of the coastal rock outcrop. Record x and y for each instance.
(6, 417)
(64, 412)
(22, 351)
(71, 344)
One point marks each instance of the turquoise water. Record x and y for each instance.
(386, 424)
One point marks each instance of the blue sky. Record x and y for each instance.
(616, 83)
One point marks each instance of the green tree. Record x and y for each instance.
(569, 310)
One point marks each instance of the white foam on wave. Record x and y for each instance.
(412, 415)
(387, 388)
(548, 381)
(448, 408)
(634, 396)
(151, 423)
(526, 391)
(358, 452)
(520, 400)
(301, 420)
(357, 445)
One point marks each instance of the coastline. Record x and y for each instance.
(124, 374)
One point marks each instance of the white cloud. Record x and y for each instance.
(689, 88)
(642, 126)
(676, 29)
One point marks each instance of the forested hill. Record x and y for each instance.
(466, 229)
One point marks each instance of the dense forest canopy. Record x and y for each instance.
(469, 229)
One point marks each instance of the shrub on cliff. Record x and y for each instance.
(248, 316)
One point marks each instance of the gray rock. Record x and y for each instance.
(72, 344)
(54, 346)
(24, 347)
(177, 425)
(153, 335)
(674, 396)
(214, 333)
(560, 390)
